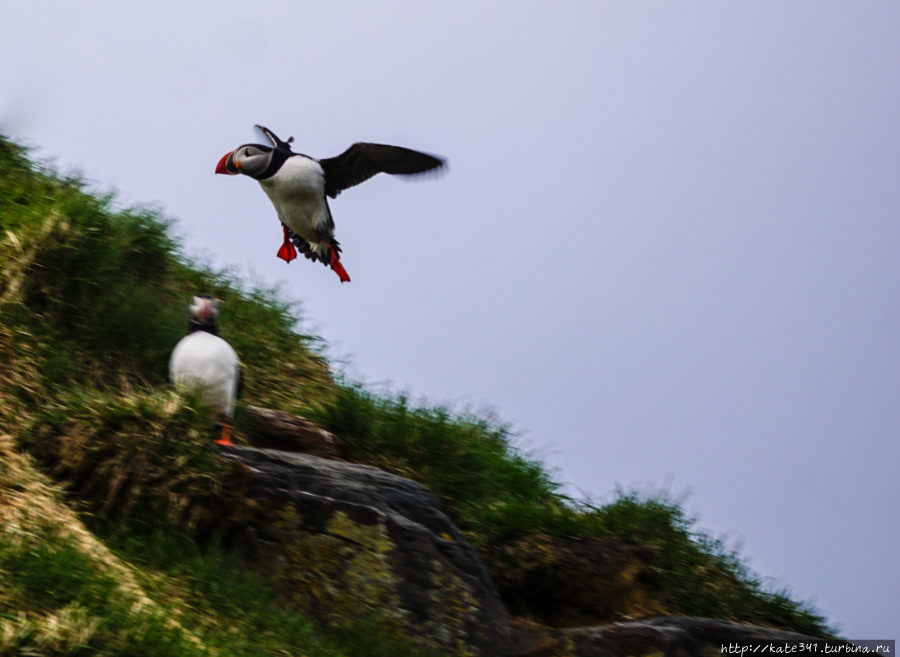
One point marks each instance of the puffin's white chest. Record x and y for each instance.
(297, 191)
(207, 363)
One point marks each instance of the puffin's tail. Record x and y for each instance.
(315, 252)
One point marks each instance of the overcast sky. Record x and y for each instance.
(667, 248)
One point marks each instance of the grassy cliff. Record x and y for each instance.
(102, 465)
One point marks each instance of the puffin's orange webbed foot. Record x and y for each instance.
(225, 438)
(287, 252)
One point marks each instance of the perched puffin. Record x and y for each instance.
(298, 185)
(203, 361)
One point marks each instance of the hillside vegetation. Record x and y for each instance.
(102, 465)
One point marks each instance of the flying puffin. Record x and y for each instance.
(203, 361)
(298, 185)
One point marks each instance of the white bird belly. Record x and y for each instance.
(297, 191)
(206, 363)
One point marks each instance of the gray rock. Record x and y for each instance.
(676, 636)
(353, 540)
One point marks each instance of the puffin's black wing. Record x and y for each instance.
(362, 161)
(239, 388)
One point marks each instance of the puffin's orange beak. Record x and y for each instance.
(227, 165)
(205, 311)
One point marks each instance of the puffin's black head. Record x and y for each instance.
(256, 160)
(250, 159)
(204, 311)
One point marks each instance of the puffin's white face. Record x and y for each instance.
(205, 310)
(250, 159)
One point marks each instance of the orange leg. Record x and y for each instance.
(225, 438)
(336, 265)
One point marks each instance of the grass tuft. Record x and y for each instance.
(130, 453)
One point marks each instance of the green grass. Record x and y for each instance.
(57, 600)
(469, 462)
(92, 300)
(217, 589)
(700, 575)
(130, 452)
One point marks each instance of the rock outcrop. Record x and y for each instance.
(681, 636)
(350, 540)
(271, 429)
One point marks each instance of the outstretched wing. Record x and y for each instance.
(362, 161)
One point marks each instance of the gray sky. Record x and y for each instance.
(666, 248)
